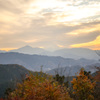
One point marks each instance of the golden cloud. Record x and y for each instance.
(92, 45)
(85, 30)
(7, 49)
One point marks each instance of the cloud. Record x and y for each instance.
(9, 6)
(48, 24)
(93, 44)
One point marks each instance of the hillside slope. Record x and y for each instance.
(10, 74)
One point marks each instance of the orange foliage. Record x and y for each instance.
(97, 88)
(39, 88)
(1, 99)
(97, 77)
(83, 87)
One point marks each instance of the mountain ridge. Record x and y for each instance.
(33, 62)
(73, 70)
(74, 53)
(28, 50)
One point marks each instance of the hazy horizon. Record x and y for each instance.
(28, 46)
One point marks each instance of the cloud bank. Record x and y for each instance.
(50, 24)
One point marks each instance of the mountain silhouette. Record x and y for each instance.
(75, 53)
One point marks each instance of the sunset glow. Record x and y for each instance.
(51, 24)
(93, 44)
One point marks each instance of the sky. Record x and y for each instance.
(50, 24)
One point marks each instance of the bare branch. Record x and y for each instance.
(97, 52)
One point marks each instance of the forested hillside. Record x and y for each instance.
(10, 74)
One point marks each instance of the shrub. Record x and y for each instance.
(39, 88)
(83, 87)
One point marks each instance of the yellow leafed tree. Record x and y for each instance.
(83, 88)
(39, 88)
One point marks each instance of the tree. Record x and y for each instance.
(97, 78)
(97, 87)
(98, 53)
(59, 79)
(39, 88)
(83, 87)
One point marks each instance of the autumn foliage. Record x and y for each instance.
(39, 88)
(97, 87)
(44, 87)
(83, 87)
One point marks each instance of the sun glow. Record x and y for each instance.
(93, 44)
(41, 47)
(7, 49)
(85, 30)
(61, 46)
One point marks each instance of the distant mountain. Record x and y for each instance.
(29, 50)
(73, 70)
(33, 62)
(2, 51)
(77, 53)
(9, 75)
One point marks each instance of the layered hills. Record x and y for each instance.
(74, 53)
(34, 62)
(73, 70)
